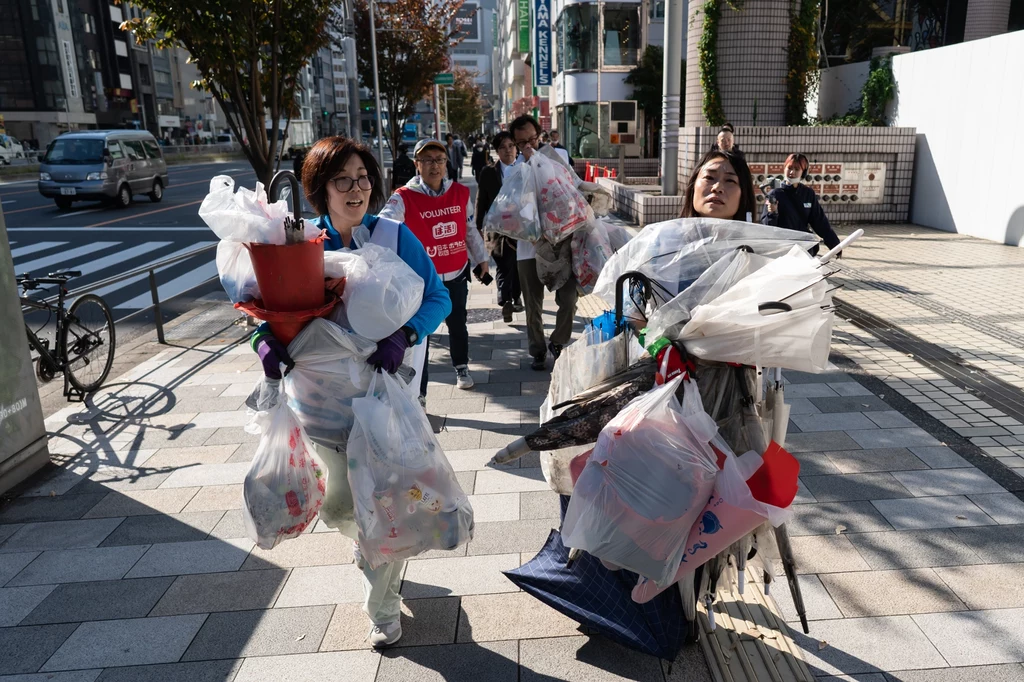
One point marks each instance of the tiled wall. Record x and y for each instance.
(893, 146)
(752, 62)
(632, 202)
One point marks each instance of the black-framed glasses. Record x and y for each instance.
(531, 142)
(436, 161)
(345, 184)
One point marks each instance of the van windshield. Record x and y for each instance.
(74, 151)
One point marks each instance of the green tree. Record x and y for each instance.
(413, 39)
(465, 104)
(249, 53)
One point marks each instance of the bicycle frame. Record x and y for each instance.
(35, 342)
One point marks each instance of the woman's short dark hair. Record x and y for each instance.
(326, 159)
(748, 202)
(498, 139)
(727, 127)
(522, 122)
(798, 159)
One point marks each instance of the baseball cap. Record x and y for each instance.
(426, 143)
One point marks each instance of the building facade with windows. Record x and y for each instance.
(477, 21)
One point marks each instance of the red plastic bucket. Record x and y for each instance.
(286, 325)
(291, 276)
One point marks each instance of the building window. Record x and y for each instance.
(578, 125)
(656, 11)
(162, 78)
(621, 35)
(578, 32)
(92, 60)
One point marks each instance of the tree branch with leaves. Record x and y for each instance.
(466, 105)
(248, 53)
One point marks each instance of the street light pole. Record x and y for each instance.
(376, 85)
(671, 99)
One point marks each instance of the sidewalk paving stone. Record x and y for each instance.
(541, 504)
(314, 549)
(206, 671)
(986, 586)
(483, 662)
(830, 405)
(913, 549)
(39, 509)
(180, 558)
(864, 645)
(823, 518)
(18, 602)
(232, 525)
(826, 554)
(1005, 508)
(940, 457)
(136, 641)
(142, 502)
(818, 604)
(495, 507)
(207, 474)
(890, 593)
(892, 438)
(181, 457)
(69, 676)
(214, 498)
(955, 511)
(506, 537)
(155, 529)
(584, 659)
(983, 673)
(943, 482)
(459, 576)
(872, 461)
(820, 441)
(25, 650)
(359, 666)
(997, 544)
(976, 637)
(817, 463)
(844, 421)
(212, 592)
(102, 600)
(509, 481)
(851, 487)
(425, 622)
(60, 535)
(319, 585)
(270, 632)
(79, 565)
(475, 460)
(515, 615)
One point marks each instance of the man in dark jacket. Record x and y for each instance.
(481, 157)
(503, 249)
(404, 169)
(795, 205)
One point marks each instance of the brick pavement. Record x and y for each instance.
(130, 562)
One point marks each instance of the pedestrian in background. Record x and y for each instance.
(502, 249)
(726, 142)
(556, 142)
(457, 153)
(439, 212)
(404, 169)
(795, 206)
(481, 158)
(720, 187)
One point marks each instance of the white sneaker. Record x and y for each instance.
(386, 634)
(463, 379)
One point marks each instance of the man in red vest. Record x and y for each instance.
(439, 212)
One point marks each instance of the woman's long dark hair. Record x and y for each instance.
(748, 202)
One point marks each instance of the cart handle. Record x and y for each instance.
(857, 234)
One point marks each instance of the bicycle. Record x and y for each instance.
(84, 340)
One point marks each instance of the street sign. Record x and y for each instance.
(444, 79)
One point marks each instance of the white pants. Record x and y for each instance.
(382, 601)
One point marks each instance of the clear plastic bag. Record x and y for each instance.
(562, 208)
(236, 274)
(246, 215)
(554, 263)
(407, 499)
(381, 291)
(514, 211)
(618, 236)
(675, 253)
(591, 249)
(645, 484)
(286, 483)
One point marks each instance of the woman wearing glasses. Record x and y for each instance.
(439, 211)
(342, 181)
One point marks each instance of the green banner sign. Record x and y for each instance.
(523, 24)
(444, 79)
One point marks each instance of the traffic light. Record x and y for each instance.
(323, 112)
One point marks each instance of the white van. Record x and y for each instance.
(10, 149)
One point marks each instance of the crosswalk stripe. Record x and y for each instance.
(120, 257)
(63, 256)
(32, 248)
(175, 286)
(163, 288)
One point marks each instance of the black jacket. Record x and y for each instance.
(480, 158)
(798, 207)
(403, 172)
(488, 186)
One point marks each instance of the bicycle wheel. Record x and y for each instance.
(87, 341)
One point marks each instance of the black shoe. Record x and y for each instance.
(555, 349)
(506, 312)
(538, 364)
(517, 306)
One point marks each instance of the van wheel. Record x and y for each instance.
(124, 197)
(63, 203)
(158, 192)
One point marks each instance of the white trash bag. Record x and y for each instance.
(562, 208)
(407, 499)
(514, 211)
(591, 249)
(286, 483)
(382, 292)
(235, 270)
(247, 215)
(650, 475)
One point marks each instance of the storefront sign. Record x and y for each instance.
(542, 43)
(467, 22)
(166, 121)
(523, 24)
(70, 70)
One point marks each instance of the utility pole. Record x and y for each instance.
(670, 100)
(376, 85)
(437, 112)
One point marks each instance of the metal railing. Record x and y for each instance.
(150, 269)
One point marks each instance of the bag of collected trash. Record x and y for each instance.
(645, 484)
(286, 483)
(562, 208)
(554, 263)
(591, 249)
(514, 211)
(407, 499)
(247, 215)
(381, 291)
(618, 236)
(235, 270)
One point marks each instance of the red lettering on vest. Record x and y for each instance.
(440, 225)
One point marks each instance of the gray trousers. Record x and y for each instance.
(533, 300)
(382, 600)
